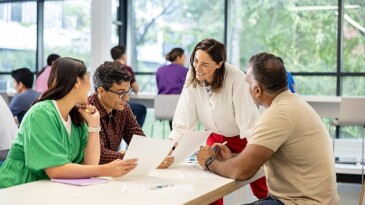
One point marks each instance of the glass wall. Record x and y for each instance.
(18, 35)
(18, 39)
(67, 26)
(354, 37)
(302, 33)
(115, 23)
(159, 26)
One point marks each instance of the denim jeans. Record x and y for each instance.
(140, 112)
(266, 201)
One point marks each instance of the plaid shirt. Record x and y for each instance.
(115, 126)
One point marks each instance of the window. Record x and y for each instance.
(115, 23)
(17, 40)
(159, 26)
(303, 33)
(67, 27)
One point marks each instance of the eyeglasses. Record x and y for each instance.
(123, 93)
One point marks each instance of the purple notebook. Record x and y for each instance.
(82, 182)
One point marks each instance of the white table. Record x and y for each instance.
(147, 100)
(325, 106)
(205, 190)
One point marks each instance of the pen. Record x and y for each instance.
(216, 148)
(84, 108)
(161, 186)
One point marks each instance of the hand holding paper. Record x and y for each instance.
(118, 167)
(149, 152)
(189, 144)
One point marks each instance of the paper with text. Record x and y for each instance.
(189, 144)
(150, 153)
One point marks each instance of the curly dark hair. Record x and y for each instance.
(108, 73)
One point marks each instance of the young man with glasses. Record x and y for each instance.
(112, 89)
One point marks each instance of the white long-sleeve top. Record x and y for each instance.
(229, 112)
(8, 128)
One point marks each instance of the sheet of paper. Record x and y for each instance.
(150, 153)
(82, 182)
(189, 144)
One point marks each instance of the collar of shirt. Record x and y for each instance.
(93, 99)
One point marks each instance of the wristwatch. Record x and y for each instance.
(208, 162)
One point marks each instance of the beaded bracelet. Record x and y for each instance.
(93, 129)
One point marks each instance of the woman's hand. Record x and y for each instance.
(90, 114)
(169, 160)
(118, 167)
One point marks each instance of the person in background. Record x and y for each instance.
(291, 83)
(43, 75)
(171, 78)
(216, 95)
(112, 88)
(290, 140)
(119, 55)
(59, 135)
(8, 129)
(23, 83)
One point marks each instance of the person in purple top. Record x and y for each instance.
(171, 78)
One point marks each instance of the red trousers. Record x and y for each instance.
(236, 145)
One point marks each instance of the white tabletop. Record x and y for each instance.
(205, 188)
(325, 106)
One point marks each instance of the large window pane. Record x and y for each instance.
(158, 26)
(354, 37)
(313, 85)
(115, 23)
(67, 26)
(303, 33)
(353, 86)
(6, 84)
(17, 35)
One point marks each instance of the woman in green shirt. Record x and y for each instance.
(59, 135)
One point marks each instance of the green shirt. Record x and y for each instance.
(42, 142)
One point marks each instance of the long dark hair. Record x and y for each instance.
(63, 76)
(51, 58)
(217, 52)
(174, 53)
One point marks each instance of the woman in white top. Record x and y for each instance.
(216, 95)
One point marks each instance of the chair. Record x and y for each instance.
(5, 97)
(165, 106)
(352, 113)
(361, 201)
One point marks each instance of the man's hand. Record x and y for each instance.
(222, 151)
(203, 154)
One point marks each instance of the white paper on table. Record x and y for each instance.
(149, 152)
(189, 144)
